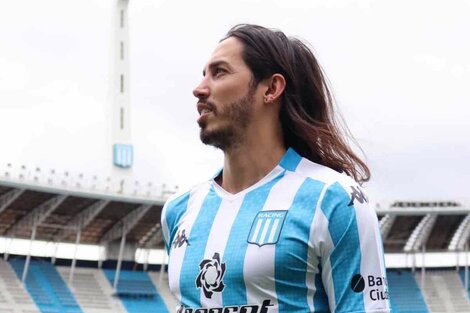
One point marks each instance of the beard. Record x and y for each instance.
(238, 114)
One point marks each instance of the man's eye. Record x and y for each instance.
(219, 71)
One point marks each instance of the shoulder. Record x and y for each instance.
(177, 204)
(338, 188)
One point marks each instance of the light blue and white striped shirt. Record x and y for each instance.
(302, 239)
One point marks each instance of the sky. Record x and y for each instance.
(399, 71)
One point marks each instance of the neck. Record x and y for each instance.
(250, 161)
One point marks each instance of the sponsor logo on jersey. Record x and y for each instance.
(376, 286)
(357, 194)
(253, 308)
(211, 274)
(266, 227)
(180, 239)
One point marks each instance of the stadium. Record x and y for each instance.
(425, 244)
(85, 242)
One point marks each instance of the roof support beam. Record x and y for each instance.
(81, 220)
(152, 240)
(37, 215)
(461, 235)
(146, 239)
(386, 224)
(420, 234)
(7, 198)
(122, 227)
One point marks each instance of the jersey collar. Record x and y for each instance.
(289, 162)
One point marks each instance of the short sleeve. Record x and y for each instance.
(353, 266)
(172, 211)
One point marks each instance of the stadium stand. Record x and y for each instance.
(405, 293)
(46, 287)
(400, 232)
(136, 291)
(443, 231)
(13, 296)
(443, 291)
(92, 290)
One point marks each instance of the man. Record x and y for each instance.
(280, 228)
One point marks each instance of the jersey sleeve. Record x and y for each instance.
(352, 258)
(172, 211)
(165, 228)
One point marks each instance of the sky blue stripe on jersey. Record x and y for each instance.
(346, 256)
(174, 215)
(320, 298)
(235, 250)
(292, 249)
(195, 250)
(291, 160)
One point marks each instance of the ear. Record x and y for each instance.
(276, 85)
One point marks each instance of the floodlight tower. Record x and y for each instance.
(122, 149)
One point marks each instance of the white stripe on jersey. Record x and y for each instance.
(195, 201)
(280, 197)
(217, 241)
(165, 230)
(323, 246)
(317, 171)
(315, 243)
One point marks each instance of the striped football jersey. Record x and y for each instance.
(302, 239)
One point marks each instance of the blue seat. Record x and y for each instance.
(137, 292)
(46, 287)
(405, 295)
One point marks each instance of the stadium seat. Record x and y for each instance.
(137, 292)
(46, 287)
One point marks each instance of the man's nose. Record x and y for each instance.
(201, 91)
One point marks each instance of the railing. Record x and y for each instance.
(79, 181)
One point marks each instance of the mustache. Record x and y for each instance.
(209, 104)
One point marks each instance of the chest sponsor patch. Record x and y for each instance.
(266, 227)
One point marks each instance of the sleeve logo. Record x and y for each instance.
(266, 227)
(358, 195)
(211, 274)
(375, 286)
(180, 239)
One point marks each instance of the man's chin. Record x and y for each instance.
(218, 139)
(206, 137)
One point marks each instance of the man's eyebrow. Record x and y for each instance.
(215, 64)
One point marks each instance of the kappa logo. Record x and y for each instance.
(180, 239)
(266, 227)
(211, 275)
(358, 195)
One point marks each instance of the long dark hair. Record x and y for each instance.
(307, 107)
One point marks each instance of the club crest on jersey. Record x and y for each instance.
(266, 227)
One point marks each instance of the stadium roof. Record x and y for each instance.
(104, 212)
(58, 213)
